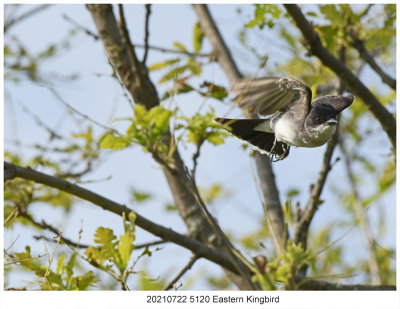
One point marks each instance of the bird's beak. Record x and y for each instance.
(332, 121)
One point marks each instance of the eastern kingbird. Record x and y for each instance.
(293, 120)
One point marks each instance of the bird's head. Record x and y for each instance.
(324, 110)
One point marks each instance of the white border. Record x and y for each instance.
(111, 299)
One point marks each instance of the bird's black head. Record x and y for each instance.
(325, 110)
(321, 114)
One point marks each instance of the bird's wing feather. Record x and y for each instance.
(268, 95)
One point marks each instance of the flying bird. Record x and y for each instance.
(293, 120)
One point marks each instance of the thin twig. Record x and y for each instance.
(301, 228)
(64, 240)
(195, 157)
(18, 19)
(146, 31)
(368, 57)
(188, 266)
(236, 257)
(77, 245)
(53, 134)
(58, 96)
(80, 27)
(138, 45)
(364, 224)
(45, 226)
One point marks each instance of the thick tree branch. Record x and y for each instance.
(199, 249)
(385, 118)
(120, 52)
(264, 167)
(220, 49)
(123, 60)
(317, 285)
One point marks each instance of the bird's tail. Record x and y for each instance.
(244, 129)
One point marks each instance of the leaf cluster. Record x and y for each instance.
(283, 268)
(60, 279)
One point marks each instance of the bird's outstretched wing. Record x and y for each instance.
(268, 95)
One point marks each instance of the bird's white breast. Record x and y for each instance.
(292, 133)
(286, 131)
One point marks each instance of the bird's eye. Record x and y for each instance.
(318, 119)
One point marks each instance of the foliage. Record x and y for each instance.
(264, 15)
(60, 279)
(117, 252)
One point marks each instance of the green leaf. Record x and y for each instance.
(180, 46)
(110, 141)
(162, 121)
(170, 207)
(172, 74)
(204, 128)
(331, 12)
(216, 138)
(125, 249)
(193, 66)
(283, 273)
(264, 14)
(106, 251)
(94, 256)
(141, 196)
(215, 91)
(163, 64)
(105, 237)
(292, 193)
(71, 264)
(60, 264)
(198, 36)
(178, 89)
(86, 280)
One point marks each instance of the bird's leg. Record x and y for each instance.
(272, 152)
(285, 153)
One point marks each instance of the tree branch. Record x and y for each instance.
(264, 167)
(147, 34)
(302, 226)
(135, 76)
(188, 266)
(360, 212)
(385, 118)
(199, 249)
(83, 246)
(120, 52)
(137, 45)
(317, 285)
(367, 56)
(26, 15)
(220, 49)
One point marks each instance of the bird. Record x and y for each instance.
(292, 119)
